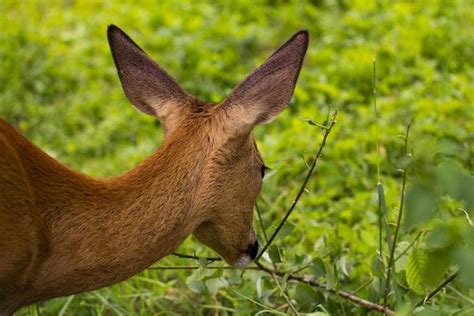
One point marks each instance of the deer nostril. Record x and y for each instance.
(252, 250)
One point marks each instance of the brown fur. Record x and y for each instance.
(63, 232)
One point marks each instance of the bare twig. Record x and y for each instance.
(327, 131)
(200, 267)
(181, 255)
(294, 277)
(397, 228)
(321, 286)
(265, 237)
(437, 289)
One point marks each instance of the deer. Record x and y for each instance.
(63, 232)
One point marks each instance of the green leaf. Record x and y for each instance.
(426, 269)
(274, 254)
(416, 266)
(307, 297)
(464, 258)
(214, 285)
(196, 285)
(467, 191)
(446, 233)
(286, 229)
(438, 263)
(378, 267)
(421, 203)
(448, 177)
(456, 182)
(318, 268)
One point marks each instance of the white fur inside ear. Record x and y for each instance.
(243, 261)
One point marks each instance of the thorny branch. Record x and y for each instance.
(437, 289)
(327, 130)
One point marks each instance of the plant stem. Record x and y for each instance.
(337, 290)
(256, 303)
(374, 94)
(377, 151)
(363, 286)
(409, 246)
(265, 237)
(397, 227)
(303, 186)
(437, 289)
(388, 236)
(283, 293)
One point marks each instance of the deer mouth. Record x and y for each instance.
(249, 255)
(242, 261)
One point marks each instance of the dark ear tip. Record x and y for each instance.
(302, 35)
(113, 29)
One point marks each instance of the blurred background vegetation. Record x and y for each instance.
(58, 85)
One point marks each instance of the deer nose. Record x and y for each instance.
(252, 250)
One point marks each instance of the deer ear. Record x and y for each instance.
(268, 89)
(148, 87)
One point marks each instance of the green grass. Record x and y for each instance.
(58, 85)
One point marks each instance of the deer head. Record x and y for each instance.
(230, 177)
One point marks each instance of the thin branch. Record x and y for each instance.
(461, 296)
(259, 214)
(294, 277)
(265, 237)
(397, 228)
(321, 286)
(303, 186)
(436, 290)
(181, 255)
(363, 286)
(282, 291)
(256, 302)
(200, 267)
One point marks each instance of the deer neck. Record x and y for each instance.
(160, 196)
(112, 229)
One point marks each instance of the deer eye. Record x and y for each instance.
(262, 171)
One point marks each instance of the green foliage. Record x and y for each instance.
(59, 87)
